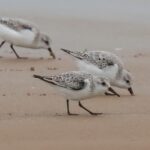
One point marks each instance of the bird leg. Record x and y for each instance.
(92, 113)
(68, 111)
(2, 44)
(51, 53)
(11, 46)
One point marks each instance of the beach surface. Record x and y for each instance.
(33, 115)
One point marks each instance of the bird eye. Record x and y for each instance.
(103, 83)
(127, 81)
(46, 42)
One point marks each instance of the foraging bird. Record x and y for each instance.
(104, 64)
(77, 86)
(21, 33)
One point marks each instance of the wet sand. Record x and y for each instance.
(33, 115)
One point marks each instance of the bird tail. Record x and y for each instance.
(74, 54)
(37, 76)
(44, 78)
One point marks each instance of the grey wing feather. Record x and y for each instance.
(70, 80)
(17, 24)
(76, 54)
(103, 59)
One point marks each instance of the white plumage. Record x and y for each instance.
(104, 64)
(22, 33)
(77, 85)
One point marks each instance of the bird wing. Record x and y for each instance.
(100, 59)
(103, 59)
(18, 24)
(75, 54)
(71, 80)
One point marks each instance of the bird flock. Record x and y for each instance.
(98, 71)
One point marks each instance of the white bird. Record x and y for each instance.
(77, 86)
(22, 33)
(104, 64)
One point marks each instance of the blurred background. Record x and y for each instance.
(91, 24)
(126, 10)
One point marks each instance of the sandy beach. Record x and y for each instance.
(33, 115)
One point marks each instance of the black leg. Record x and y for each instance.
(51, 53)
(2, 44)
(92, 113)
(11, 46)
(68, 111)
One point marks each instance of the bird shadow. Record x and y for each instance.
(47, 115)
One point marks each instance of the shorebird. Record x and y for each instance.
(22, 33)
(77, 86)
(104, 64)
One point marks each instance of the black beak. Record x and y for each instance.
(131, 91)
(51, 53)
(113, 91)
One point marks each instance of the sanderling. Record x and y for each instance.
(104, 64)
(77, 85)
(21, 33)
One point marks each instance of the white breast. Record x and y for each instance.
(83, 66)
(23, 38)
